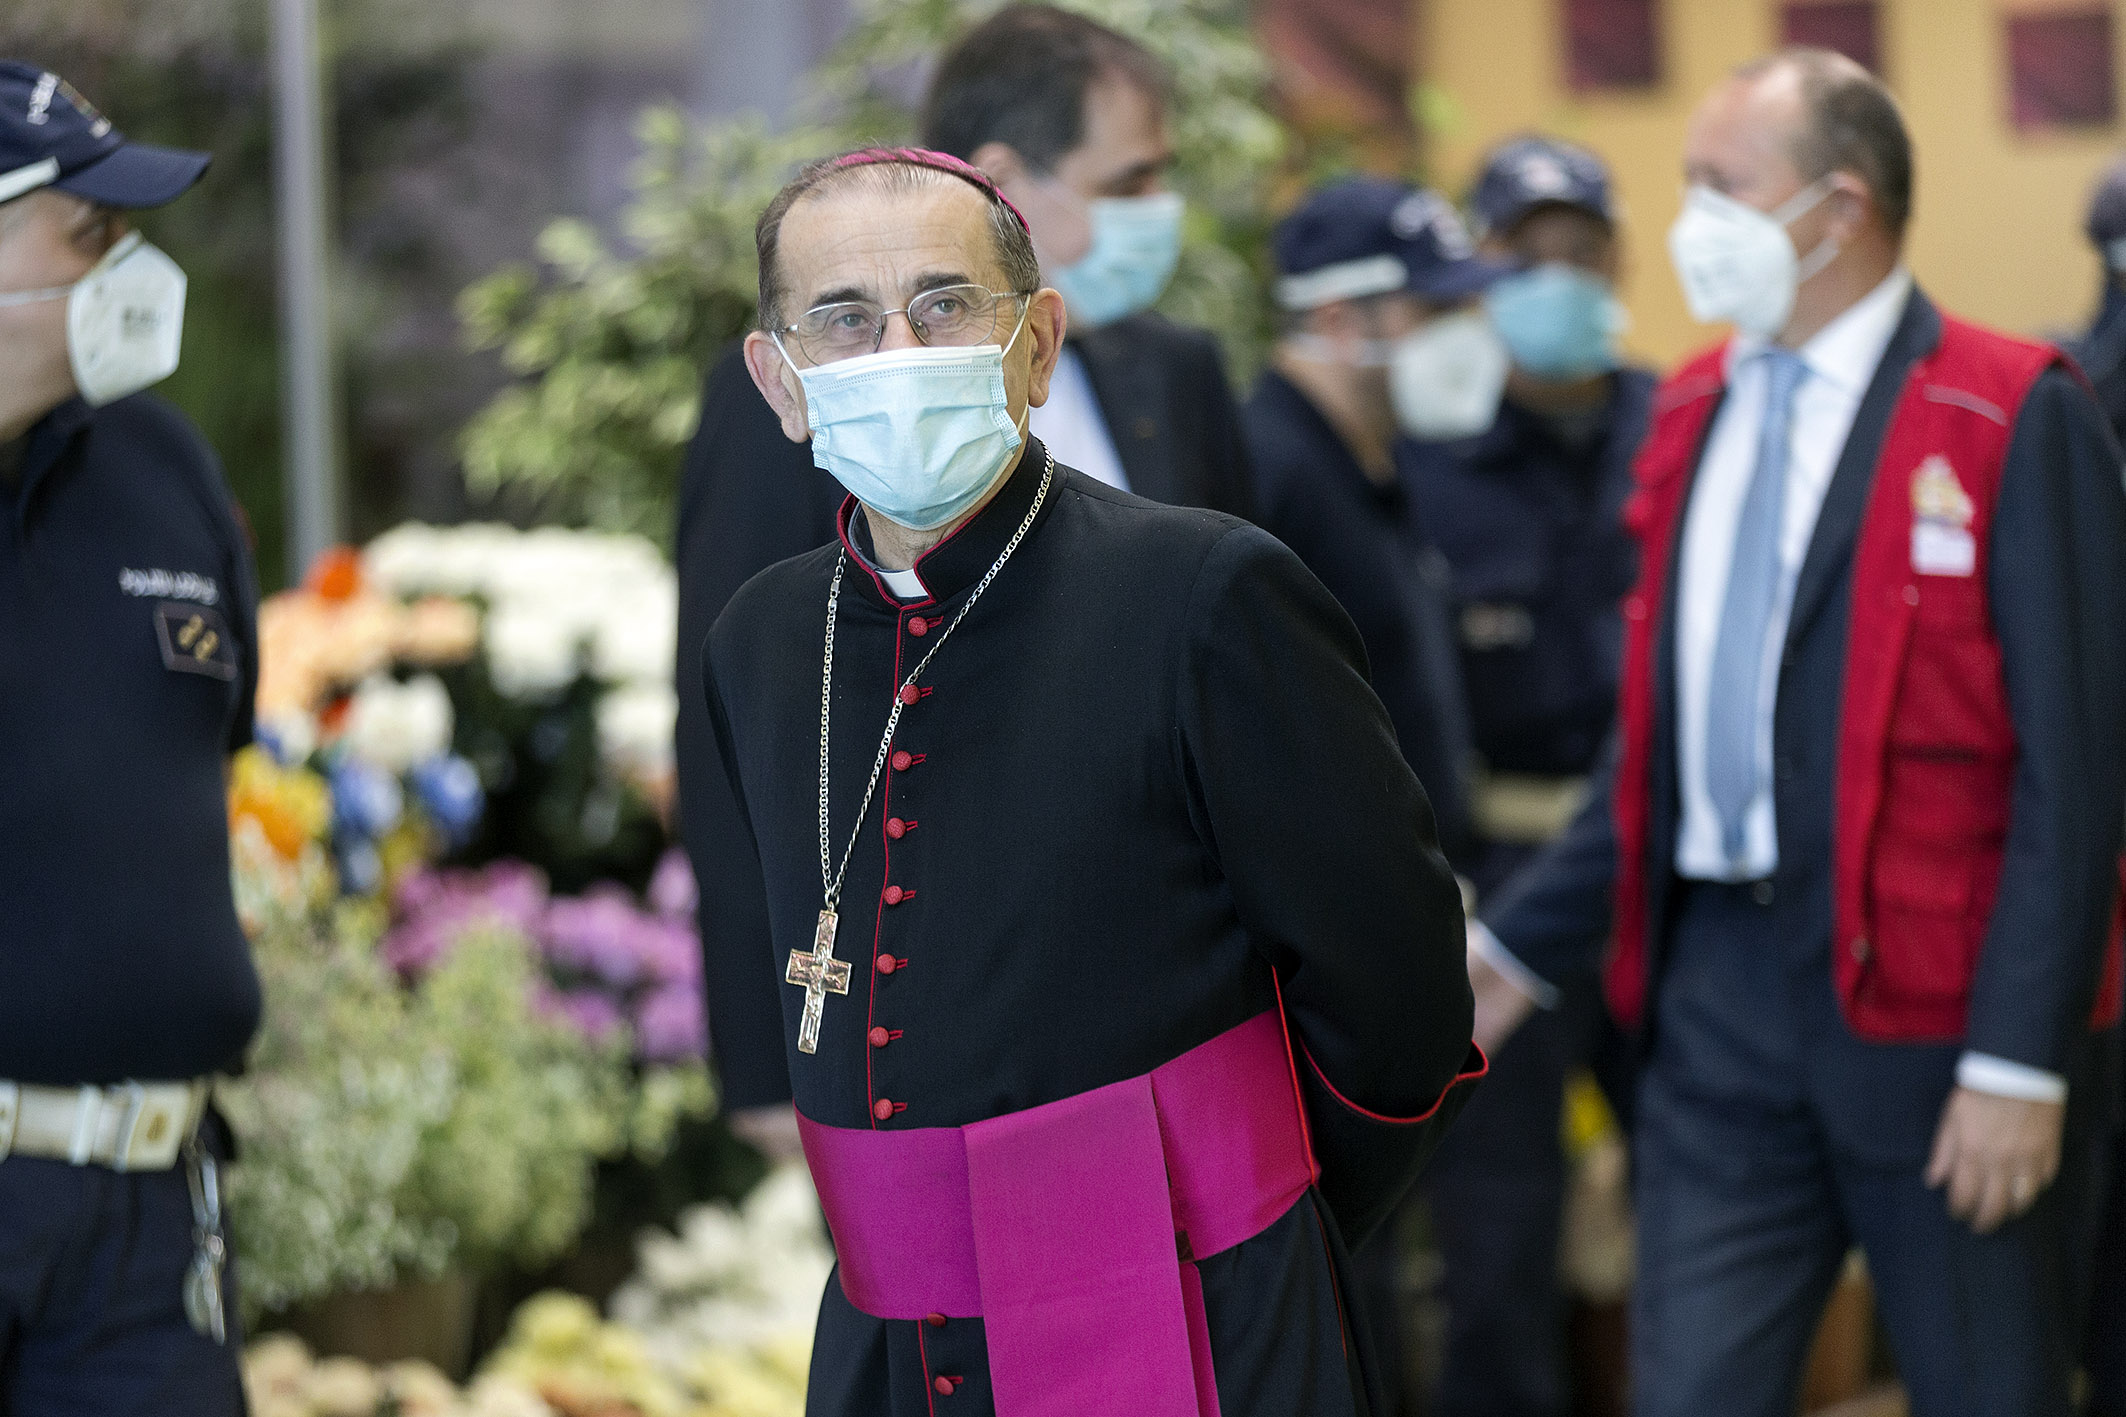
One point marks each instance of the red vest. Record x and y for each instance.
(1926, 745)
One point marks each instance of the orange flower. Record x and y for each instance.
(336, 574)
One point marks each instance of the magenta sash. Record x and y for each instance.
(1071, 1229)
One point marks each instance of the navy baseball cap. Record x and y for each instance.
(2107, 215)
(1362, 236)
(50, 136)
(1532, 172)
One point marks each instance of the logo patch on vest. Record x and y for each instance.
(195, 640)
(1942, 512)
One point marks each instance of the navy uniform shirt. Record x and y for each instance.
(2101, 352)
(127, 670)
(1364, 541)
(1528, 516)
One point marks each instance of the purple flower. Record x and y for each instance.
(436, 909)
(599, 933)
(672, 893)
(669, 1025)
(591, 1013)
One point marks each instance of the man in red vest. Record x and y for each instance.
(1858, 862)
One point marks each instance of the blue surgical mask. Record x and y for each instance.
(1136, 244)
(1559, 321)
(918, 435)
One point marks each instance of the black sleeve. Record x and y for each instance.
(2057, 584)
(749, 497)
(1554, 914)
(1327, 843)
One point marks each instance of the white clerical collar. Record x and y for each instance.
(905, 585)
(1844, 353)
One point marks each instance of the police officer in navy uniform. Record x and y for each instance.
(1527, 514)
(1381, 332)
(127, 670)
(2101, 351)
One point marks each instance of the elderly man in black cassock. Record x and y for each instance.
(1123, 976)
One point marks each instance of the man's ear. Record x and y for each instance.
(778, 384)
(1000, 162)
(1046, 323)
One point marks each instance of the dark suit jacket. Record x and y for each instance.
(749, 497)
(2057, 584)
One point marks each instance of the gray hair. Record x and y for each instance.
(1014, 247)
(1850, 124)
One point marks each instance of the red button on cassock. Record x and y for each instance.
(909, 693)
(903, 760)
(918, 626)
(883, 1108)
(896, 828)
(894, 895)
(879, 1037)
(935, 1320)
(944, 1386)
(887, 964)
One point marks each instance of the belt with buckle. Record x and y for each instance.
(1523, 809)
(132, 1126)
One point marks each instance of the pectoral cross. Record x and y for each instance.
(819, 973)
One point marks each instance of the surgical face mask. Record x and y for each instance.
(918, 435)
(1136, 242)
(1445, 379)
(1558, 321)
(124, 320)
(1738, 264)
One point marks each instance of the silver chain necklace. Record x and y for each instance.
(816, 970)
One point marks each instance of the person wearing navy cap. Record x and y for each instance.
(2101, 352)
(1382, 335)
(127, 671)
(1527, 514)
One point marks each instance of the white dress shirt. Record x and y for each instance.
(1072, 425)
(1841, 360)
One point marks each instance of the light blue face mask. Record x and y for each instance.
(1559, 321)
(918, 435)
(1136, 244)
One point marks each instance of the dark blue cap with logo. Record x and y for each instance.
(1532, 172)
(50, 136)
(1362, 236)
(2107, 214)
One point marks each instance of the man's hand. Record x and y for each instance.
(1995, 1154)
(772, 1130)
(1500, 1006)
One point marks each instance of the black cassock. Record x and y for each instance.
(1146, 772)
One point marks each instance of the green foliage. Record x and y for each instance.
(389, 1132)
(611, 344)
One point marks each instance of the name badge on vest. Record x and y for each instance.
(194, 640)
(1942, 543)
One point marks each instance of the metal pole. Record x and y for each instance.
(309, 412)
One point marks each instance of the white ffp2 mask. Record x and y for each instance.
(124, 320)
(1446, 378)
(1738, 264)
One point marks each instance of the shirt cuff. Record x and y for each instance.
(1982, 1072)
(1540, 991)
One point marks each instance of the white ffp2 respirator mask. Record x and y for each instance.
(1446, 378)
(124, 320)
(1738, 264)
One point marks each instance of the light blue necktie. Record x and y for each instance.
(1733, 774)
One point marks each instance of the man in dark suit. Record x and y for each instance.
(1069, 118)
(2101, 351)
(1860, 849)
